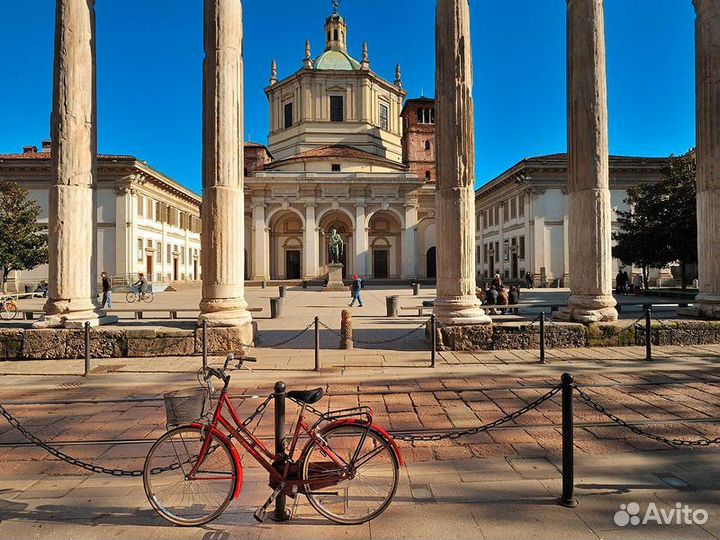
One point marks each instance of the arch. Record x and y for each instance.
(323, 213)
(385, 239)
(390, 209)
(272, 213)
(431, 263)
(343, 221)
(286, 226)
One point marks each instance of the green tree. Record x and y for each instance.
(660, 226)
(22, 244)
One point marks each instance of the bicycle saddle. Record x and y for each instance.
(306, 396)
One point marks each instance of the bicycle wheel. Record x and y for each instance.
(131, 297)
(8, 311)
(182, 500)
(362, 490)
(148, 297)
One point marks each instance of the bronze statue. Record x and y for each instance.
(336, 246)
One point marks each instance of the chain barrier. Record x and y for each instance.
(590, 402)
(450, 435)
(341, 335)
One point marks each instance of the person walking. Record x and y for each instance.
(530, 280)
(106, 290)
(355, 289)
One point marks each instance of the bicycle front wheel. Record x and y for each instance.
(360, 489)
(130, 297)
(173, 493)
(8, 311)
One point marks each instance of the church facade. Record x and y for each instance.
(347, 151)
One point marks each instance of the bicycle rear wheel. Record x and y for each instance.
(176, 497)
(148, 297)
(362, 490)
(130, 297)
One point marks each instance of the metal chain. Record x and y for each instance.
(667, 440)
(286, 341)
(341, 335)
(472, 431)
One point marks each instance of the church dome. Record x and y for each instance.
(336, 60)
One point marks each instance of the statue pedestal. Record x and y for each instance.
(335, 281)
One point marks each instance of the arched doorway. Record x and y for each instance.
(342, 223)
(384, 237)
(286, 245)
(431, 263)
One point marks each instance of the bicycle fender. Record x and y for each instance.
(233, 452)
(377, 429)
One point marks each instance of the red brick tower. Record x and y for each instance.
(418, 142)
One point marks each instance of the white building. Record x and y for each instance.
(336, 159)
(522, 216)
(146, 222)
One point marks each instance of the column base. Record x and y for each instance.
(588, 309)
(707, 306)
(75, 320)
(460, 311)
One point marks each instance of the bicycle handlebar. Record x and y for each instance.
(220, 373)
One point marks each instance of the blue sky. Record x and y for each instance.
(150, 57)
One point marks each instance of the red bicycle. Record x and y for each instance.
(348, 469)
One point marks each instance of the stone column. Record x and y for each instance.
(362, 242)
(223, 209)
(310, 241)
(409, 247)
(260, 243)
(589, 220)
(456, 302)
(707, 59)
(72, 281)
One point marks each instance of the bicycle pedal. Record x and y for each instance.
(261, 512)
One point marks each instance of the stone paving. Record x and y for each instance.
(498, 484)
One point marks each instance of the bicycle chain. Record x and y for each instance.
(619, 421)
(451, 435)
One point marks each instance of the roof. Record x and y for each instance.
(336, 151)
(336, 60)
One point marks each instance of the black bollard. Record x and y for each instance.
(280, 513)
(648, 333)
(542, 337)
(304, 284)
(433, 340)
(87, 349)
(281, 292)
(317, 344)
(568, 473)
(204, 343)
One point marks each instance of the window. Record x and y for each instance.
(506, 212)
(426, 116)
(427, 175)
(158, 250)
(169, 253)
(288, 115)
(427, 145)
(337, 109)
(485, 219)
(140, 246)
(485, 253)
(158, 211)
(513, 208)
(521, 205)
(497, 251)
(383, 116)
(149, 208)
(506, 250)
(521, 247)
(496, 217)
(335, 35)
(335, 167)
(140, 206)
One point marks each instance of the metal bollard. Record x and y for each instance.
(542, 337)
(204, 343)
(568, 473)
(280, 513)
(648, 333)
(317, 344)
(304, 284)
(263, 284)
(281, 291)
(87, 349)
(433, 339)
(346, 330)
(416, 288)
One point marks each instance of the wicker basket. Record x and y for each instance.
(185, 406)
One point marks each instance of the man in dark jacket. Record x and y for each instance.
(355, 288)
(106, 290)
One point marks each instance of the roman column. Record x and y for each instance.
(72, 274)
(589, 219)
(310, 241)
(456, 302)
(223, 210)
(260, 242)
(707, 65)
(409, 247)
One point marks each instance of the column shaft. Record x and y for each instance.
(589, 218)
(260, 243)
(362, 242)
(409, 248)
(707, 45)
(223, 238)
(310, 240)
(456, 302)
(72, 289)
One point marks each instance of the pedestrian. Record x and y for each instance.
(503, 298)
(355, 289)
(626, 282)
(106, 290)
(491, 298)
(619, 281)
(497, 282)
(530, 280)
(514, 295)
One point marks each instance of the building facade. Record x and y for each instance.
(340, 156)
(146, 222)
(522, 216)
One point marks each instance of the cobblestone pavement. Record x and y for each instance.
(498, 484)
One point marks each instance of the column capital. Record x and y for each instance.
(257, 204)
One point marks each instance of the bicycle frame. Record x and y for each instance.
(270, 461)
